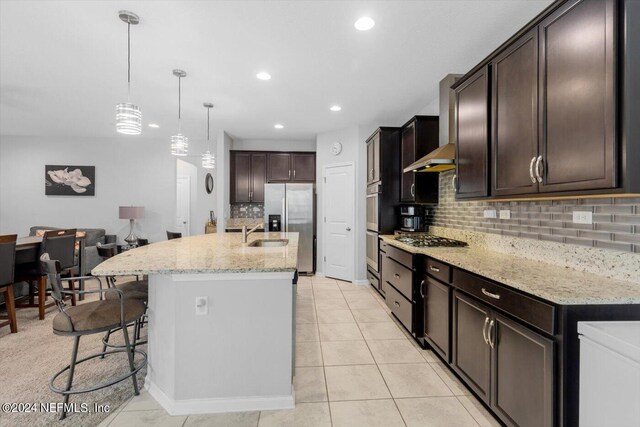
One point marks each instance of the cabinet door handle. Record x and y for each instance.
(294, 174)
(533, 178)
(539, 170)
(484, 331)
(289, 173)
(434, 268)
(396, 275)
(422, 289)
(413, 190)
(396, 303)
(492, 341)
(454, 182)
(490, 294)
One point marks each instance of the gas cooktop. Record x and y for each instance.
(427, 240)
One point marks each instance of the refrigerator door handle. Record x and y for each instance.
(285, 211)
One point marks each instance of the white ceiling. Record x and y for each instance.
(63, 63)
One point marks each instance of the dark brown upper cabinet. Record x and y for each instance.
(577, 101)
(248, 176)
(472, 130)
(279, 169)
(373, 159)
(514, 129)
(291, 167)
(304, 167)
(419, 138)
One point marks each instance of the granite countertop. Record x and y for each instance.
(208, 253)
(551, 282)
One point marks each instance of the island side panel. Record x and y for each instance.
(236, 357)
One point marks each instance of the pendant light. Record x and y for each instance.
(208, 159)
(128, 115)
(179, 142)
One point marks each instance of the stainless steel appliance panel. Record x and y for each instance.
(299, 216)
(372, 250)
(274, 201)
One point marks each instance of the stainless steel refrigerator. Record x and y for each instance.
(291, 208)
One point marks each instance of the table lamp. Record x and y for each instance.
(131, 213)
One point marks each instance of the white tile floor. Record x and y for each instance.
(355, 366)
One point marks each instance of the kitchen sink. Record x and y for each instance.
(267, 243)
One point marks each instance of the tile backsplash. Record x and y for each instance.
(616, 221)
(247, 210)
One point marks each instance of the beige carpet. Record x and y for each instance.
(29, 359)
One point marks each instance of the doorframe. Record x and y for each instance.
(353, 217)
(187, 178)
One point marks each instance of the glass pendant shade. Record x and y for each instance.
(179, 145)
(208, 160)
(128, 119)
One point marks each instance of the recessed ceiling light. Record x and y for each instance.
(364, 24)
(335, 108)
(278, 126)
(263, 76)
(154, 125)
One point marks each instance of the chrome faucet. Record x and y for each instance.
(245, 233)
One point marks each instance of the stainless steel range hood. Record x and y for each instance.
(444, 157)
(439, 160)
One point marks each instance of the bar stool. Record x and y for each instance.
(7, 266)
(137, 289)
(173, 235)
(91, 318)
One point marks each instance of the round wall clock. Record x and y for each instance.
(208, 182)
(336, 148)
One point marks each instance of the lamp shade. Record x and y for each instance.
(131, 212)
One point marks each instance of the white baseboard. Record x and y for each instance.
(360, 282)
(216, 405)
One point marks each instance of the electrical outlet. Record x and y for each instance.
(202, 306)
(505, 214)
(582, 217)
(490, 213)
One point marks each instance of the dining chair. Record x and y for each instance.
(173, 235)
(91, 318)
(7, 267)
(60, 244)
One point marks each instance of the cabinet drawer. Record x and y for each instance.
(439, 270)
(398, 255)
(534, 312)
(373, 280)
(398, 276)
(400, 307)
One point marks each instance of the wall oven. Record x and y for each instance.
(372, 250)
(373, 195)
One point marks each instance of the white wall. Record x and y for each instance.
(224, 144)
(353, 150)
(273, 145)
(129, 171)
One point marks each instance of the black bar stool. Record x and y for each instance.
(173, 235)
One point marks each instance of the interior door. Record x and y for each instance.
(339, 211)
(183, 203)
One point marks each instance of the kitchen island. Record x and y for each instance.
(221, 317)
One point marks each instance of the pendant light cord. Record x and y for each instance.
(128, 61)
(208, 125)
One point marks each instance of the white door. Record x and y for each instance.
(339, 217)
(183, 203)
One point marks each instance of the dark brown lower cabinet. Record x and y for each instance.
(522, 365)
(437, 303)
(471, 353)
(508, 365)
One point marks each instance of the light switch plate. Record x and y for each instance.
(202, 306)
(582, 217)
(505, 214)
(490, 213)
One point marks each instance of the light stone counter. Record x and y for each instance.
(553, 283)
(210, 253)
